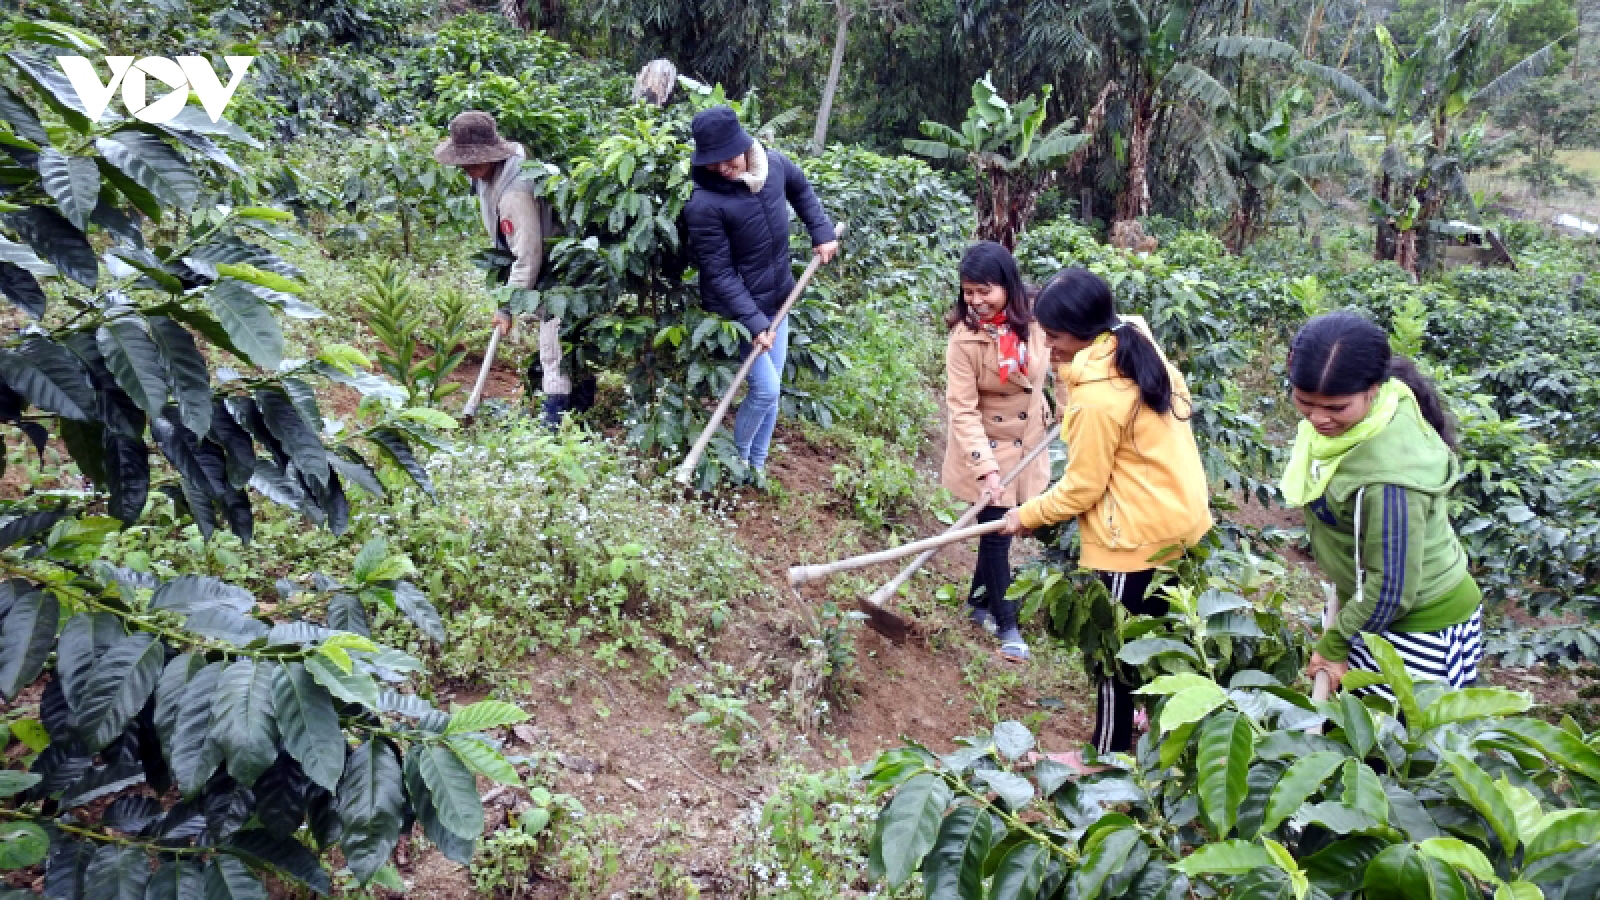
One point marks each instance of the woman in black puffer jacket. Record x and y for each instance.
(738, 221)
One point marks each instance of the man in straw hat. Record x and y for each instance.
(518, 222)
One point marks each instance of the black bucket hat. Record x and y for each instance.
(717, 136)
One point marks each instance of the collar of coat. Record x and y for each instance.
(491, 189)
(755, 175)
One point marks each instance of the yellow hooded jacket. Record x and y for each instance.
(1134, 478)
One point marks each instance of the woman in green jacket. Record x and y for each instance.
(1373, 465)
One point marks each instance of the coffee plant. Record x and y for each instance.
(187, 736)
(1246, 788)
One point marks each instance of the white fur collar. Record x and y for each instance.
(755, 175)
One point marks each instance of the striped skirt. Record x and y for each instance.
(1450, 654)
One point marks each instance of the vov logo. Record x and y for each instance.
(183, 75)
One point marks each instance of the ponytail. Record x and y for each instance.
(1342, 353)
(1079, 302)
(1428, 399)
(1137, 358)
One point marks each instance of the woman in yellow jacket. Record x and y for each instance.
(995, 366)
(1134, 479)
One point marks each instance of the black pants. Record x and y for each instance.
(992, 578)
(1113, 716)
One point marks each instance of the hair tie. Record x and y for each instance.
(1121, 325)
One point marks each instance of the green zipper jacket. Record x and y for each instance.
(1415, 570)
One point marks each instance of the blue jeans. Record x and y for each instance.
(758, 414)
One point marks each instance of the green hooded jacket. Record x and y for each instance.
(1415, 570)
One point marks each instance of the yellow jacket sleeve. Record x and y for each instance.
(1092, 434)
(966, 419)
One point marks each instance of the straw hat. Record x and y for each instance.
(473, 139)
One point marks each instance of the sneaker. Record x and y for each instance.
(1013, 648)
(981, 617)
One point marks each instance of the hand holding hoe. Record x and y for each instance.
(686, 470)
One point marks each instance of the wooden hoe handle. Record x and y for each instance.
(686, 470)
(799, 575)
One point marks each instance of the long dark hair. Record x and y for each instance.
(987, 262)
(1342, 353)
(1079, 303)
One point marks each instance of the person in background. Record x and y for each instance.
(518, 222)
(995, 364)
(1373, 465)
(1134, 480)
(738, 219)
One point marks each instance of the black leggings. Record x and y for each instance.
(1113, 716)
(992, 577)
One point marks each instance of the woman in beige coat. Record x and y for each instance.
(995, 367)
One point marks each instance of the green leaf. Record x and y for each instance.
(73, 182)
(454, 792)
(1466, 704)
(1191, 705)
(22, 289)
(57, 240)
(193, 593)
(152, 164)
(119, 684)
(54, 89)
(47, 375)
(285, 854)
(1226, 749)
(177, 880)
(249, 322)
(1398, 873)
(24, 258)
(351, 687)
(1012, 739)
(22, 844)
(396, 447)
(1559, 746)
(1296, 785)
(31, 733)
(309, 725)
(1563, 831)
(954, 868)
(484, 760)
(242, 719)
(1474, 786)
(1337, 817)
(1224, 858)
(26, 638)
(1395, 675)
(22, 119)
(1356, 720)
(193, 754)
(1143, 650)
(419, 610)
(911, 825)
(229, 879)
(1016, 791)
(1175, 684)
(483, 715)
(186, 371)
(1104, 859)
(135, 361)
(117, 873)
(1019, 873)
(1363, 790)
(13, 782)
(370, 800)
(1462, 855)
(296, 435)
(1518, 890)
(261, 277)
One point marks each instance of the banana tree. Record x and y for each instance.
(1267, 160)
(1013, 158)
(1425, 94)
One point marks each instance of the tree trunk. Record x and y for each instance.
(819, 137)
(1135, 199)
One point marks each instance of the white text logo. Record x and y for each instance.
(185, 74)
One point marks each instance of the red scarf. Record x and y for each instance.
(1013, 352)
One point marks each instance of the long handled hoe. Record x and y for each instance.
(686, 470)
(888, 623)
(470, 411)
